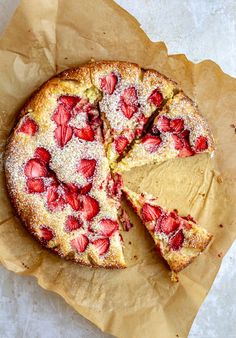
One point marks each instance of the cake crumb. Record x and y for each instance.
(221, 225)
(219, 179)
(220, 254)
(24, 265)
(174, 277)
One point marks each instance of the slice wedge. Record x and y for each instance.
(178, 131)
(179, 240)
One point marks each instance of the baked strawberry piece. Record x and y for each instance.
(178, 131)
(178, 239)
(130, 96)
(59, 177)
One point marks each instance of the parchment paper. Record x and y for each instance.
(46, 37)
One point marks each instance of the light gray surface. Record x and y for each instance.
(201, 30)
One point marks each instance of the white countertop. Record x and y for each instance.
(203, 29)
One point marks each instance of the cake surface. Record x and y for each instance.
(72, 133)
(58, 175)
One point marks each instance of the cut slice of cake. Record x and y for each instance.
(178, 131)
(178, 239)
(130, 96)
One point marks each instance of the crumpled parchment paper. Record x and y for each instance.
(141, 301)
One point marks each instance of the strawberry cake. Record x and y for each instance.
(178, 239)
(71, 135)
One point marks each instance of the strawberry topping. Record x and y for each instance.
(80, 243)
(182, 144)
(187, 225)
(86, 167)
(120, 144)
(58, 204)
(84, 106)
(72, 223)
(63, 134)
(129, 102)
(164, 124)
(185, 135)
(35, 168)
(151, 143)
(108, 227)
(189, 218)
(150, 212)
(86, 133)
(186, 151)
(71, 187)
(90, 207)
(53, 178)
(73, 199)
(42, 154)
(201, 143)
(69, 101)
(35, 185)
(141, 120)
(156, 98)
(177, 240)
(114, 185)
(102, 245)
(54, 200)
(108, 83)
(179, 144)
(52, 194)
(177, 125)
(124, 218)
(169, 224)
(46, 233)
(62, 115)
(28, 127)
(86, 189)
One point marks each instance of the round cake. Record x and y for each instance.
(75, 136)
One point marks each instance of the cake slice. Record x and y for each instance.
(178, 239)
(130, 96)
(178, 131)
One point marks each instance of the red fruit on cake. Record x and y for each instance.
(178, 131)
(28, 126)
(61, 156)
(179, 240)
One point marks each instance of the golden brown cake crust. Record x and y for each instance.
(177, 265)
